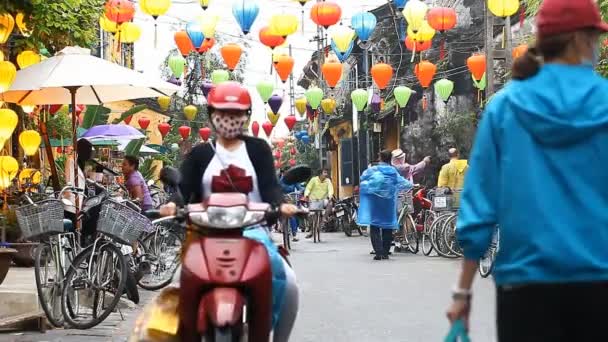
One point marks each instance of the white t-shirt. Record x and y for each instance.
(239, 166)
(69, 179)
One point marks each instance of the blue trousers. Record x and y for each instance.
(293, 223)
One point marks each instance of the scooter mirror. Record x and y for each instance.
(170, 176)
(297, 174)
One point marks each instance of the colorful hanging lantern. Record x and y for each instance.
(208, 24)
(7, 23)
(359, 99)
(245, 12)
(283, 25)
(176, 64)
(425, 32)
(442, 18)
(425, 71)
(265, 89)
(342, 36)
(314, 95)
(267, 127)
(444, 89)
(292, 162)
(290, 122)
(364, 24)
(164, 102)
(8, 123)
(301, 105)
(219, 76)
(328, 105)
(415, 13)
(204, 4)
(128, 119)
(107, 24)
(477, 65)
(7, 75)
(416, 46)
(183, 42)
(342, 56)
(27, 58)
(255, 128)
(30, 142)
(207, 44)
(119, 11)
(193, 29)
(293, 151)
(164, 129)
(231, 53)
(204, 133)
(400, 4)
(28, 109)
(305, 139)
(190, 112)
(206, 87)
(31, 176)
(519, 51)
(273, 118)
(269, 39)
(174, 147)
(376, 103)
(402, 95)
(326, 13)
(332, 72)
(382, 74)
(143, 122)
(1, 56)
(8, 171)
(275, 102)
(503, 8)
(154, 8)
(278, 155)
(284, 66)
(184, 132)
(129, 33)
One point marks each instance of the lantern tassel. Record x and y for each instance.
(504, 35)
(413, 52)
(155, 33)
(302, 21)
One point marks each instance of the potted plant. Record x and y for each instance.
(6, 256)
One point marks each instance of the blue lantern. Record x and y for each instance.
(297, 135)
(364, 24)
(342, 56)
(245, 13)
(400, 4)
(193, 29)
(305, 139)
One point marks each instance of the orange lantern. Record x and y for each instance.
(382, 74)
(119, 11)
(420, 46)
(284, 66)
(477, 66)
(183, 42)
(332, 72)
(425, 71)
(442, 18)
(519, 51)
(325, 13)
(269, 39)
(231, 54)
(207, 44)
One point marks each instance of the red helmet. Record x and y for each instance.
(229, 96)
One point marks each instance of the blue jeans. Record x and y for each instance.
(293, 223)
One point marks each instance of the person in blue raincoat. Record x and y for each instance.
(288, 189)
(380, 185)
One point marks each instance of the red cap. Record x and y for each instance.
(563, 16)
(229, 96)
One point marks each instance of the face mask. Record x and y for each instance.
(229, 126)
(594, 61)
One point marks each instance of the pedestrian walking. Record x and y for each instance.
(538, 171)
(378, 191)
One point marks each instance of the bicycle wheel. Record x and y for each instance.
(49, 277)
(427, 245)
(436, 236)
(344, 224)
(449, 236)
(411, 235)
(163, 254)
(486, 264)
(88, 297)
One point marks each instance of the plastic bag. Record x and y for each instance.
(457, 333)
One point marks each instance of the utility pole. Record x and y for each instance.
(320, 60)
(292, 92)
(496, 54)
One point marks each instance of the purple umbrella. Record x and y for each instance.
(206, 87)
(275, 102)
(175, 81)
(376, 103)
(122, 132)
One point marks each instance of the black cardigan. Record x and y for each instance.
(196, 162)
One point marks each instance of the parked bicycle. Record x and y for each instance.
(345, 212)
(486, 263)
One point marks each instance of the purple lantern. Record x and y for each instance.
(275, 102)
(376, 103)
(175, 81)
(206, 87)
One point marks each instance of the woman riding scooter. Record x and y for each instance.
(237, 163)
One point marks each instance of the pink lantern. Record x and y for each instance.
(292, 162)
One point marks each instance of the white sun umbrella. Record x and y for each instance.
(73, 77)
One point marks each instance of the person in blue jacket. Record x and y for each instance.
(380, 185)
(288, 189)
(538, 172)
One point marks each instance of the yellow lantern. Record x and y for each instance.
(7, 23)
(208, 24)
(301, 105)
(155, 8)
(27, 58)
(28, 109)
(328, 105)
(503, 8)
(283, 24)
(31, 176)
(1, 56)
(8, 171)
(30, 142)
(164, 102)
(205, 4)
(7, 75)
(21, 25)
(273, 118)
(414, 13)
(8, 122)
(129, 32)
(190, 112)
(424, 34)
(107, 24)
(342, 36)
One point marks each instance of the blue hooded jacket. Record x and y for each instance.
(378, 192)
(538, 170)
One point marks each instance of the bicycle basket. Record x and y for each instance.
(41, 218)
(121, 222)
(447, 201)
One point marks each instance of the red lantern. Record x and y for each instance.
(477, 66)
(119, 11)
(284, 66)
(290, 121)
(80, 109)
(277, 164)
(127, 120)
(207, 44)
(425, 71)
(442, 18)
(143, 122)
(204, 133)
(382, 74)
(278, 155)
(255, 128)
(184, 131)
(292, 162)
(269, 39)
(231, 53)
(267, 127)
(332, 72)
(325, 13)
(420, 46)
(53, 109)
(293, 151)
(164, 129)
(519, 51)
(280, 143)
(59, 150)
(183, 42)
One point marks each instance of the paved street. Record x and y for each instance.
(347, 296)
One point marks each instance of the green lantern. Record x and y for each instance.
(219, 76)
(444, 88)
(359, 98)
(174, 147)
(265, 90)
(481, 84)
(176, 64)
(314, 95)
(402, 95)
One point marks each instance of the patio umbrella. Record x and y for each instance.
(73, 77)
(115, 132)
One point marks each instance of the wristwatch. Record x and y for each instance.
(461, 294)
